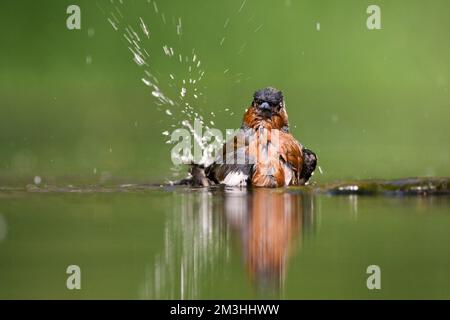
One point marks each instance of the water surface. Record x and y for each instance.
(172, 242)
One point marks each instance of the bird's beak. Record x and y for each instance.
(265, 106)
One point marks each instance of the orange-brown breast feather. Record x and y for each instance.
(274, 159)
(253, 120)
(272, 156)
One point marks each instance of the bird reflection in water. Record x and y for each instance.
(268, 224)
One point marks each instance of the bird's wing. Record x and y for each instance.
(234, 166)
(309, 165)
(292, 157)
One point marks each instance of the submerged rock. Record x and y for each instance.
(409, 186)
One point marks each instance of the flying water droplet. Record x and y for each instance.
(37, 180)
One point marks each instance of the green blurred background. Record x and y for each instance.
(369, 103)
(73, 109)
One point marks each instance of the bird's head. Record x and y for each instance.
(267, 110)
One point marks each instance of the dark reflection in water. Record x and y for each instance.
(205, 225)
(268, 224)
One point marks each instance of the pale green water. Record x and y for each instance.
(74, 110)
(180, 243)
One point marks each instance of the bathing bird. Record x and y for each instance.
(262, 153)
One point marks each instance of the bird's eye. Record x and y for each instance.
(257, 102)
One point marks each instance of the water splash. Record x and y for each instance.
(242, 6)
(140, 50)
(144, 28)
(177, 85)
